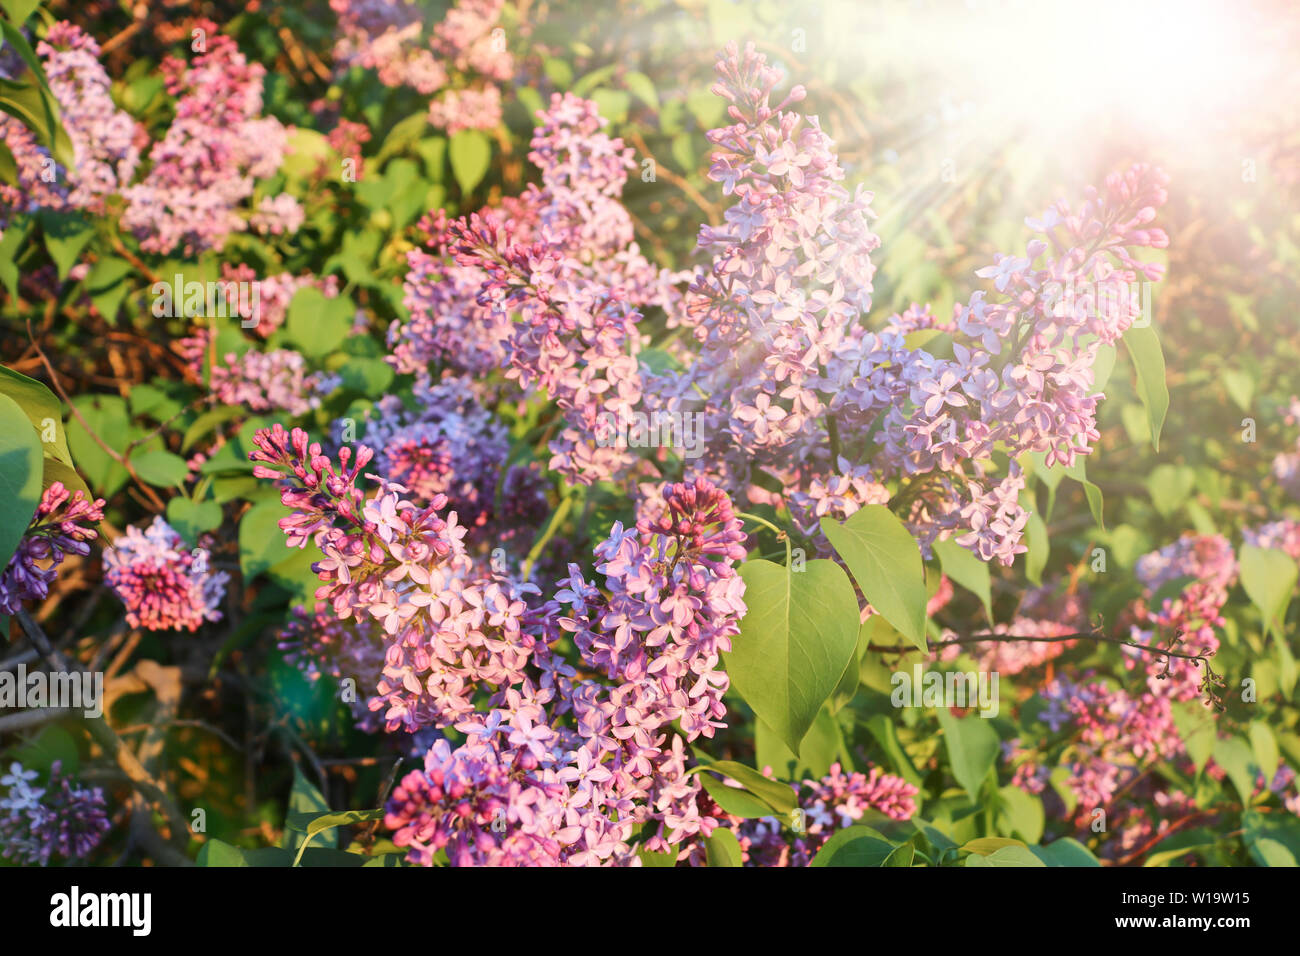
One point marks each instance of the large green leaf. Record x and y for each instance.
(800, 632)
(20, 476)
(1269, 577)
(723, 849)
(855, 846)
(779, 796)
(42, 408)
(470, 153)
(886, 564)
(972, 749)
(1149, 361)
(318, 323)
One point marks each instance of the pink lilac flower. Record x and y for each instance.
(1190, 615)
(346, 139)
(206, 164)
(277, 216)
(458, 110)
(275, 380)
(577, 280)
(786, 354)
(555, 769)
(1281, 535)
(61, 819)
(63, 524)
(1115, 736)
(164, 584)
(104, 138)
(831, 803)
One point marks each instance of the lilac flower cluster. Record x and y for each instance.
(60, 819)
(63, 524)
(557, 769)
(466, 47)
(1116, 735)
(576, 279)
(205, 165)
(830, 803)
(789, 378)
(1190, 615)
(1281, 535)
(451, 445)
(105, 140)
(274, 380)
(164, 585)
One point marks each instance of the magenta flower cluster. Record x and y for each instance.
(65, 523)
(164, 584)
(828, 804)
(62, 819)
(462, 56)
(205, 166)
(557, 769)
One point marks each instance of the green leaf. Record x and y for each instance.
(973, 748)
(612, 104)
(779, 796)
(1021, 813)
(723, 849)
(42, 409)
(667, 858)
(799, 634)
(160, 468)
(1196, 728)
(107, 417)
(1237, 759)
(1065, 851)
(369, 376)
(1269, 577)
(967, 570)
(734, 800)
(1149, 362)
(318, 323)
(306, 801)
(1091, 492)
(1264, 746)
(822, 746)
(881, 726)
(1007, 856)
(20, 476)
(1039, 549)
(886, 564)
(217, 853)
(261, 542)
(312, 824)
(854, 846)
(191, 519)
(107, 285)
(470, 152)
(643, 88)
(1170, 486)
(66, 235)
(19, 10)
